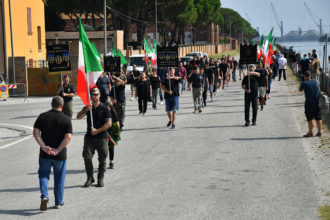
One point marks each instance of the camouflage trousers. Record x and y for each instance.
(120, 109)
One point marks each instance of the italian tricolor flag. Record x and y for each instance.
(89, 66)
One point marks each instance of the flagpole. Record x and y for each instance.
(89, 99)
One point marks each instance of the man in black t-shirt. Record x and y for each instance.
(52, 131)
(250, 86)
(118, 98)
(223, 71)
(171, 89)
(196, 79)
(96, 137)
(262, 84)
(66, 91)
(211, 78)
(214, 67)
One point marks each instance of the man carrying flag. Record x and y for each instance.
(98, 115)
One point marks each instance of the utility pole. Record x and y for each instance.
(12, 44)
(105, 28)
(156, 22)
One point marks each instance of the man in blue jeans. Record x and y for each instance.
(52, 131)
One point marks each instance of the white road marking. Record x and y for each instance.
(19, 141)
(16, 142)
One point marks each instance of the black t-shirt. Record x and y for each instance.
(196, 80)
(214, 68)
(53, 126)
(143, 89)
(172, 85)
(223, 68)
(209, 73)
(136, 73)
(67, 89)
(100, 115)
(262, 82)
(304, 64)
(120, 93)
(253, 85)
(235, 64)
(155, 82)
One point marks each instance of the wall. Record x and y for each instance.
(25, 45)
(41, 83)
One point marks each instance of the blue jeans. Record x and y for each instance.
(161, 95)
(183, 85)
(59, 168)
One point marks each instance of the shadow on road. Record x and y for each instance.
(34, 189)
(22, 117)
(265, 138)
(67, 172)
(22, 212)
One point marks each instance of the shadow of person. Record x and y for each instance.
(21, 212)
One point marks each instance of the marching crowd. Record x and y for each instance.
(204, 77)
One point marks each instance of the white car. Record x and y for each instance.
(138, 60)
(186, 59)
(200, 54)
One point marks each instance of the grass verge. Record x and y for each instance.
(324, 212)
(230, 53)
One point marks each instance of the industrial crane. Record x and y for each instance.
(277, 19)
(314, 16)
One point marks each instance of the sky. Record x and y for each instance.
(293, 12)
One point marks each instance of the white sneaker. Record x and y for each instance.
(161, 102)
(132, 99)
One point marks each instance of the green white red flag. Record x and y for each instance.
(89, 66)
(147, 52)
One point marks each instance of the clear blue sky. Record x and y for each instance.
(292, 12)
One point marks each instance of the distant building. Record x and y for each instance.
(28, 26)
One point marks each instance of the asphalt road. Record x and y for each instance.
(209, 167)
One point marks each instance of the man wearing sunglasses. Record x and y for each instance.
(96, 136)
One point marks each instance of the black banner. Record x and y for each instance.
(248, 54)
(111, 64)
(58, 57)
(167, 56)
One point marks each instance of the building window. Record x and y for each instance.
(29, 21)
(39, 38)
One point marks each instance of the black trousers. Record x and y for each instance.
(251, 99)
(280, 74)
(111, 152)
(204, 96)
(143, 104)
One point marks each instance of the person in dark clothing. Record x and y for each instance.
(250, 86)
(118, 97)
(196, 79)
(156, 86)
(52, 131)
(96, 136)
(209, 73)
(214, 67)
(171, 89)
(312, 109)
(275, 67)
(234, 69)
(135, 76)
(205, 84)
(304, 64)
(262, 84)
(144, 93)
(223, 72)
(103, 84)
(66, 91)
(115, 122)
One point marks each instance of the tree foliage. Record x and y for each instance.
(233, 22)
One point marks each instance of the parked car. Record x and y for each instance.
(201, 54)
(186, 59)
(138, 60)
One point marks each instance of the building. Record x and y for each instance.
(28, 31)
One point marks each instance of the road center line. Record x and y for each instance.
(19, 141)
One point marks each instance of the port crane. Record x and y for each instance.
(314, 16)
(277, 19)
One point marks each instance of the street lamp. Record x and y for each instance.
(12, 43)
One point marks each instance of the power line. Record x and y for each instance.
(126, 16)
